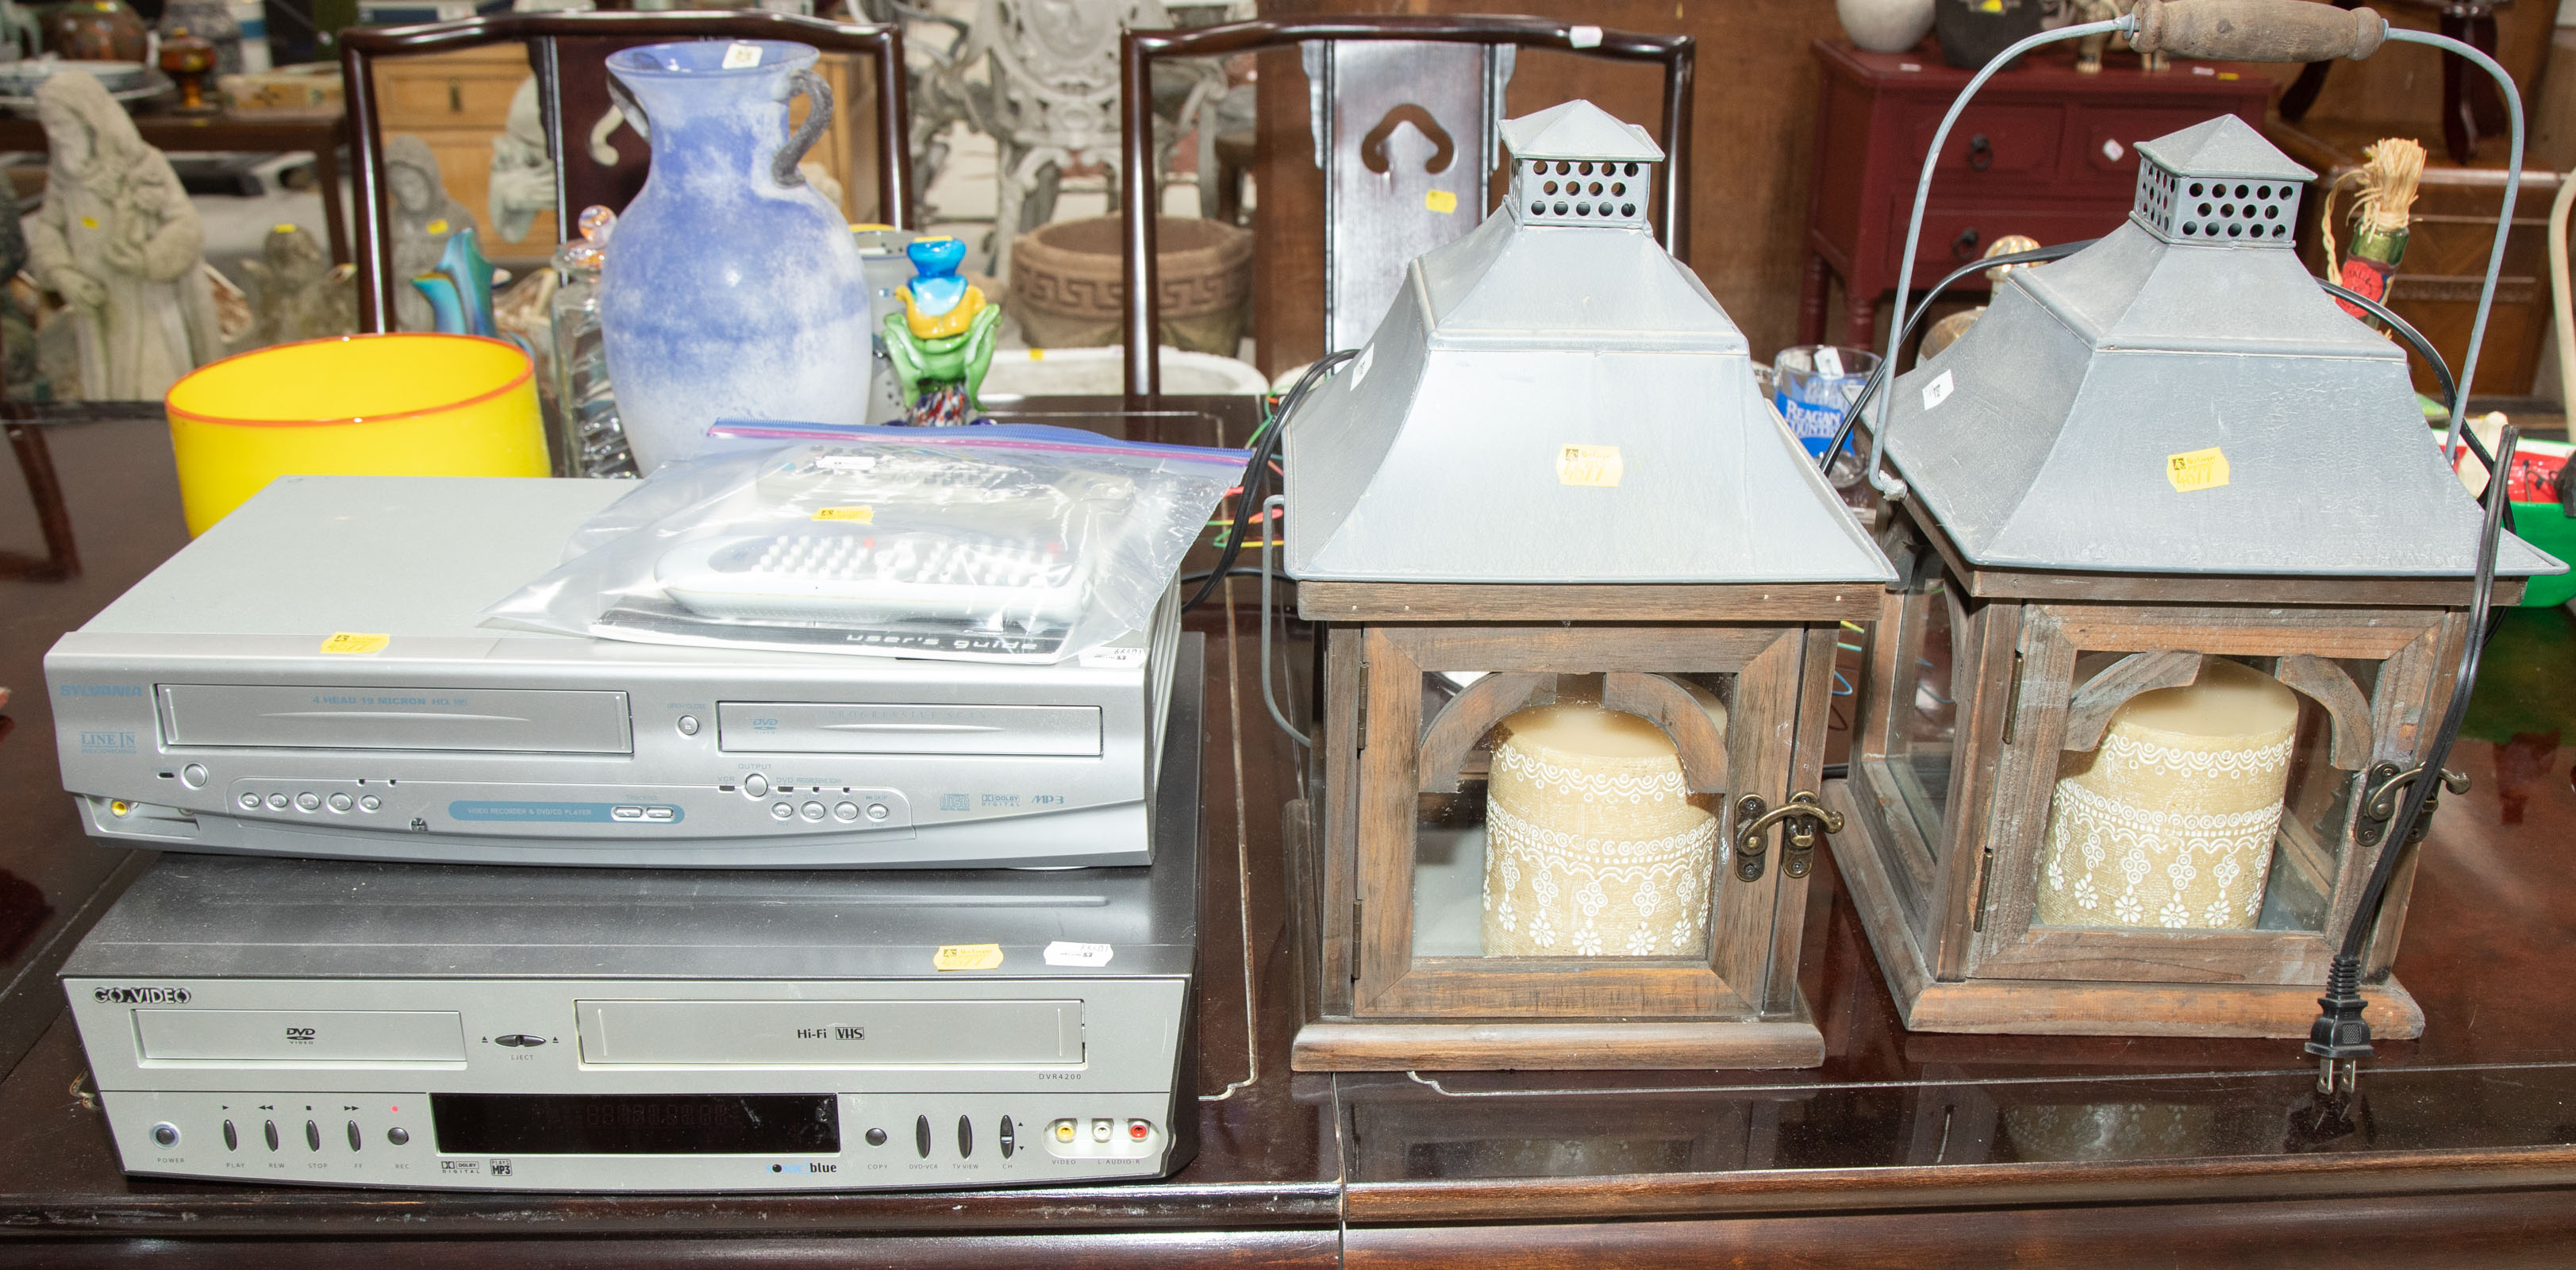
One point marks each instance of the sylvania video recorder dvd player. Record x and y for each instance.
(348, 1023)
(311, 678)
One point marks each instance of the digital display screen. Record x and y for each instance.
(645, 1124)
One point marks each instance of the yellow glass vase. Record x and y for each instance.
(354, 405)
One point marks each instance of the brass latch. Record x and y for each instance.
(1803, 817)
(2379, 795)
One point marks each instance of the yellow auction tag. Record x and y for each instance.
(1441, 201)
(89, 222)
(355, 642)
(1037, 354)
(438, 226)
(2199, 469)
(967, 957)
(862, 515)
(1594, 465)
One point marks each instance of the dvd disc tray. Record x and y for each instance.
(347, 1023)
(311, 677)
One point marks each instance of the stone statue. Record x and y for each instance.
(423, 216)
(118, 240)
(523, 178)
(299, 294)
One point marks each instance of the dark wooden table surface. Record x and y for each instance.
(1903, 1150)
(323, 133)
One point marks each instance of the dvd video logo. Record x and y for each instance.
(142, 996)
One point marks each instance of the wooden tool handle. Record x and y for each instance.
(2257, 30)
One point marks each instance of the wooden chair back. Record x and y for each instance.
(1475, 77)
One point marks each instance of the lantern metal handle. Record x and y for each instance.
(2245, 30)
(1803, 816)
(2379, 796)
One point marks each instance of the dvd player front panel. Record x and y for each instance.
(513, 752)
(616, 1085)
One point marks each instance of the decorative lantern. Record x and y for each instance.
(2182, 594)
(1579, 592)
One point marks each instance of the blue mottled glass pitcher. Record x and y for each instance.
(732, 289)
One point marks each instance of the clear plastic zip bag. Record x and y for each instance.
(994, 543)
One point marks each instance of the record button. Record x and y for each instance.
(398, 1135)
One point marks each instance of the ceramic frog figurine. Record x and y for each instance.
(942, 342)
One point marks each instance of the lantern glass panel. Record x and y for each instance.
(1572, 831)
(2207, 806)
(1922, 734)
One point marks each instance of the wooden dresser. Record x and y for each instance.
(2044, 151)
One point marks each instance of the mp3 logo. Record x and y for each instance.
(142, 996)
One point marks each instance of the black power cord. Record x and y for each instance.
(2340, 1035)
(2404, 329)
(1878, 378)
(2441, 373)
(1256, 474)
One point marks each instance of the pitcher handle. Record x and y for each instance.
(624, 101)
(783, 168)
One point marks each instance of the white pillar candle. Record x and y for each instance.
(1593, 847)
(2169, 823)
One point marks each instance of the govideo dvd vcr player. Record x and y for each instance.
(348, 1023)
(310, 678)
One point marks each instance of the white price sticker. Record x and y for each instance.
(1062, 953)
(1938, 390)
(1583, 37)
(1829, 362)
(740, 55)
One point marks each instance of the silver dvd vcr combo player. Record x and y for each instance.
(310, 678)
(349, 1023)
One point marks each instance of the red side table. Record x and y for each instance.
(2044, 151)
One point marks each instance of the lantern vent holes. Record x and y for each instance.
(1554, 193)
(2182, 209)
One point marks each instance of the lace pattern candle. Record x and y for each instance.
(1593, 847)
(2170, 822)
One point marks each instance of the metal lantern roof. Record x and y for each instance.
(1441, 453)
(2047, 436)
(1579, 130)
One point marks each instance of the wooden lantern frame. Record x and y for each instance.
(1371, 1005)
(2041, 660)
